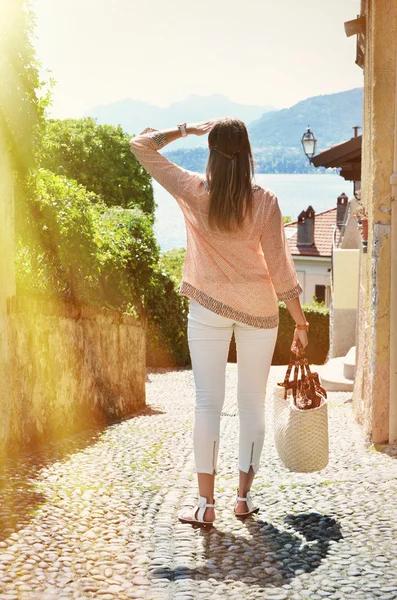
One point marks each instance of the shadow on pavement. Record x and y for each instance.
(267, 556)
(314, 526)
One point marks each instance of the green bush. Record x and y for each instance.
(98, 157)
(22, 101)
(55, 237)
(73, 245)
(127, 252)
(172, 261)
(172, 310)
(167, 325)
(318, 317)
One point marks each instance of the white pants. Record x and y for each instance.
(209, 336)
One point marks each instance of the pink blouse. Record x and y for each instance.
(239, 275)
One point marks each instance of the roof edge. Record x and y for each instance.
(315, 214)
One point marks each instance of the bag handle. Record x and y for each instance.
(300, 363)
(287, 384)
(309, 375)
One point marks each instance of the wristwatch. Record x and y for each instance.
(182, 129)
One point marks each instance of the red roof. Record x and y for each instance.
(346, 155)
(324, 224)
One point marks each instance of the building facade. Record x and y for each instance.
(375, 390)
(311, 239)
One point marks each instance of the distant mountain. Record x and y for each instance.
(269, 160)
(276, 136)
(331, 118)
(134, 115)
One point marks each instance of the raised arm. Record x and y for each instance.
(145, 147)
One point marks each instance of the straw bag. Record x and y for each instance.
(301, 419)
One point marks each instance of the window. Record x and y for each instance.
(320, 293)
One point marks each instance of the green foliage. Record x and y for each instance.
(23, 97)
(167, 328)
(287, 220)
(128, 254)
(172, 261)
(316, 304)
(73, 245)
(171, 310)
(56, 248)
(98, 157)
(21, 110)
(317, 350)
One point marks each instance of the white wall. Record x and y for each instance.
(312, 272)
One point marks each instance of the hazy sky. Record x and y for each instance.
(254, 51)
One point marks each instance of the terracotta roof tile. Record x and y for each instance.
(324, 223)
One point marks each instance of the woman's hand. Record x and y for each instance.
(200, 128)
(300, 341)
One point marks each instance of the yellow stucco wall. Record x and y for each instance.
(371, 394)
(7, 278)
(346, 271)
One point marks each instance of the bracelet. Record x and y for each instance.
(182, 129)
(304, 327)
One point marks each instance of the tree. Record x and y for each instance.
(98, 157)
(21, 109)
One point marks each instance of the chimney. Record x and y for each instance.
(306, 227)
(341, 207)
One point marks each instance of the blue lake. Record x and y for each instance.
(295, 193)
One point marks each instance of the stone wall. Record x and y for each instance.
(70, 368)
(371, 391)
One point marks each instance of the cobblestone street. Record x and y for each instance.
(95, 516)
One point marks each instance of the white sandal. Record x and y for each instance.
(198, 514)
(252, 509)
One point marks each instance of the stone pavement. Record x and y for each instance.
(95, 515)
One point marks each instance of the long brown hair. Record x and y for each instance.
(229, 173)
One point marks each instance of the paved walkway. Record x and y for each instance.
(95, 516)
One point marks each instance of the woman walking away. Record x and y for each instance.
(238, 265)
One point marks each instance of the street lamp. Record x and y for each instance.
(309, 143)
